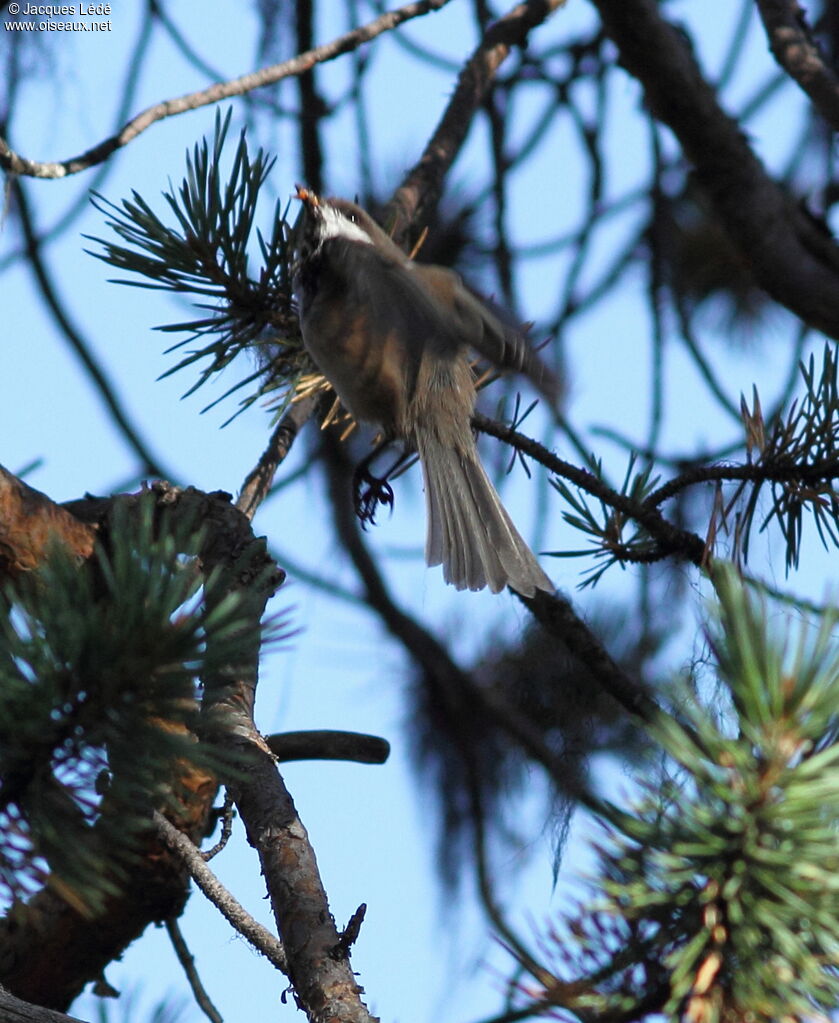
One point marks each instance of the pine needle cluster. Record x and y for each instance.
(205, 253)
(804, 441)
(99, 672)
(718, 892)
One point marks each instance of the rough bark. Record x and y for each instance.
(30, 522)
(13, 1010)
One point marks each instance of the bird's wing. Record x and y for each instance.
(485, 330)
(396, 299)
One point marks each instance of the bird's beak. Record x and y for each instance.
(306, 196)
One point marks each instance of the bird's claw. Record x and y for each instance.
(369, 492)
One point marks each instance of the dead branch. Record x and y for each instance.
(232, 910)
(16, 164)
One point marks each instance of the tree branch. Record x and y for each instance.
(52, 945)
(794, 48)
(50, 949)
(422, 187)
(443, 673)
(793, 256)
(324, 744)
(671, 539)
(232, 910)
(14, 1010)
(17, 164)
(323, 981)
(557, 615)
(258, 481)
(756, 472)
(30, 521)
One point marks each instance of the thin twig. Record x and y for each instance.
(258, 481)
(226, 818)
(17, 164)
(187, 961)
(555, 613)
(135, 62)
(486, 888)
(558, 617)
(211, 73)
(670, 538)
(758, 472)
(235, 914)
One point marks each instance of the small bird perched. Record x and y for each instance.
(391, 336)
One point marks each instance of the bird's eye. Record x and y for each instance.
(353, 218)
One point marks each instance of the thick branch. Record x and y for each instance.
(30, 522)
(323, 981)
(13, 1010)
(49, 949)
(794, 48)
(793, 257)
(236, 562)
(16, 164)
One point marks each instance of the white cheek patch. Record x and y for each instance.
(335, 225)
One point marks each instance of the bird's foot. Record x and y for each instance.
(369, 492)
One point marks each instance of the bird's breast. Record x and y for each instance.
(364, 362)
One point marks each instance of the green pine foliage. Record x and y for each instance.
(718, 891)
(99, 672)
(205, 254)
(801, 439)
(612, 537)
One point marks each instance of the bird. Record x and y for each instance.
(392, 337)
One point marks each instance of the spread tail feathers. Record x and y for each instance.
(469, 531)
